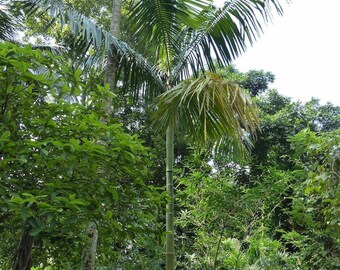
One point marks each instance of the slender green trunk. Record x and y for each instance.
(170, 250)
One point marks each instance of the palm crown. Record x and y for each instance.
(188, 37)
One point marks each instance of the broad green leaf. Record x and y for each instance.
(4, 136)
(108, 215)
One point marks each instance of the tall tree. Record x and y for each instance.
(187, 37)
(89, 255)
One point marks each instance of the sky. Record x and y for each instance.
(302, 50)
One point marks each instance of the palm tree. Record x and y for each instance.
(188, 38)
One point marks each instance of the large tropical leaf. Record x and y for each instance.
(223, 35)
(209, 109)
(137, 74)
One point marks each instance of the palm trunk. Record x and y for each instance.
(90, 251)
(170, 250)
(112, 62)
(23, 255)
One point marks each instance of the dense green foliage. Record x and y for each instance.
(64, 162)
(278, 211)
(61, 166)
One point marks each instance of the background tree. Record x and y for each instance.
(255, 81)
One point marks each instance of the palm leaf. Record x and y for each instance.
(226, 32)
(160, 27)
(8, 23)
(87, 34)
(211, 109)
(159, 22)
(55, 49)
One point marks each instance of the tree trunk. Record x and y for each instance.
(170, 250)
(23, 256)
(112, 61)
(90, 251)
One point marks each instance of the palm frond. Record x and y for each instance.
(225, 32)
(160, 26)
(158, 22)
(210, 109)
(55, 49)
(8, 23)
(136, 73)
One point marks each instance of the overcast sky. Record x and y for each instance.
(302, 49)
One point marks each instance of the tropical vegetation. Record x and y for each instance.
(92, 96)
